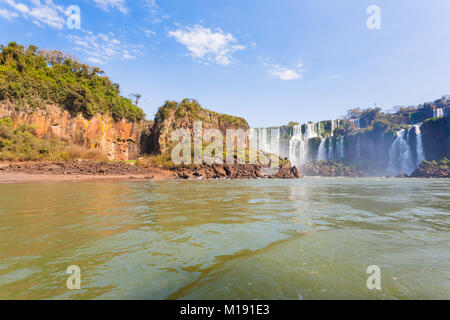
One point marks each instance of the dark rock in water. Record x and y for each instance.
(403, 175)
(237, 171)
(219, 170)
(433, 169)
(296, 173)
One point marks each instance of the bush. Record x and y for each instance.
(21, 144)
(160, 160)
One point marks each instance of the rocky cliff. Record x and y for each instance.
(120, 140)
(182, 115)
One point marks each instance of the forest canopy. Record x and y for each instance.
(30, 77)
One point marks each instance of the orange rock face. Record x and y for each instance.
(120, 140)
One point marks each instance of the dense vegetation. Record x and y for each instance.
(401, 115)
(191, 109)
(444, 163)
(33, 78)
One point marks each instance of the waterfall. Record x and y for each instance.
(298, 145)
(419, 145)
(292, 143)
(330, 149)
(341, 147)
(322, 155)
(400, 157)
(358, 147)
(333, 126)
(269, 140)
(355, 122)
(438, 112)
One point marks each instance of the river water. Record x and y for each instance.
(259, 239)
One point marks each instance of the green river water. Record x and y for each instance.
(258, 239)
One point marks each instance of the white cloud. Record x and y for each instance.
(8, 15)
(284, 73)
(118, 4)
(102, 48)
(41, 13)
(208, 46)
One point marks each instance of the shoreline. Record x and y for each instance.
(19, 178)
(81, 171)
(15, 178)
(91, 171)
(23, 175)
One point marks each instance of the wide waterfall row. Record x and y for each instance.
(295, 143)
(320, 141)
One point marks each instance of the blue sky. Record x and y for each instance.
(270, 62)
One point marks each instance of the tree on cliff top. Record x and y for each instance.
(33, 78)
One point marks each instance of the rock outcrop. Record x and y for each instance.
(120, 140)
(237, 171)
(432, 170)
(95, 168)
(173, 116)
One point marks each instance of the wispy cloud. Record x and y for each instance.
(149, 33)
(206, 45)
(284, 73)
(40, 13)
(102, 48)
(156, 16)
(8, 15)
(117, 4)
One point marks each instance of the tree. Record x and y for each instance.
(354, 113)
(136, 97)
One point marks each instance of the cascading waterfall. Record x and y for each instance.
(322, 154)
(355, 122)
(438, 112)
(269, 140)
(341, 147)
(330, 149)
(419, 145)
(298, 145)
(400, 156)
(293, 143)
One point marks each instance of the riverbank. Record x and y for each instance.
(72, 171)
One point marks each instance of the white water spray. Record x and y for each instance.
(419, 146)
